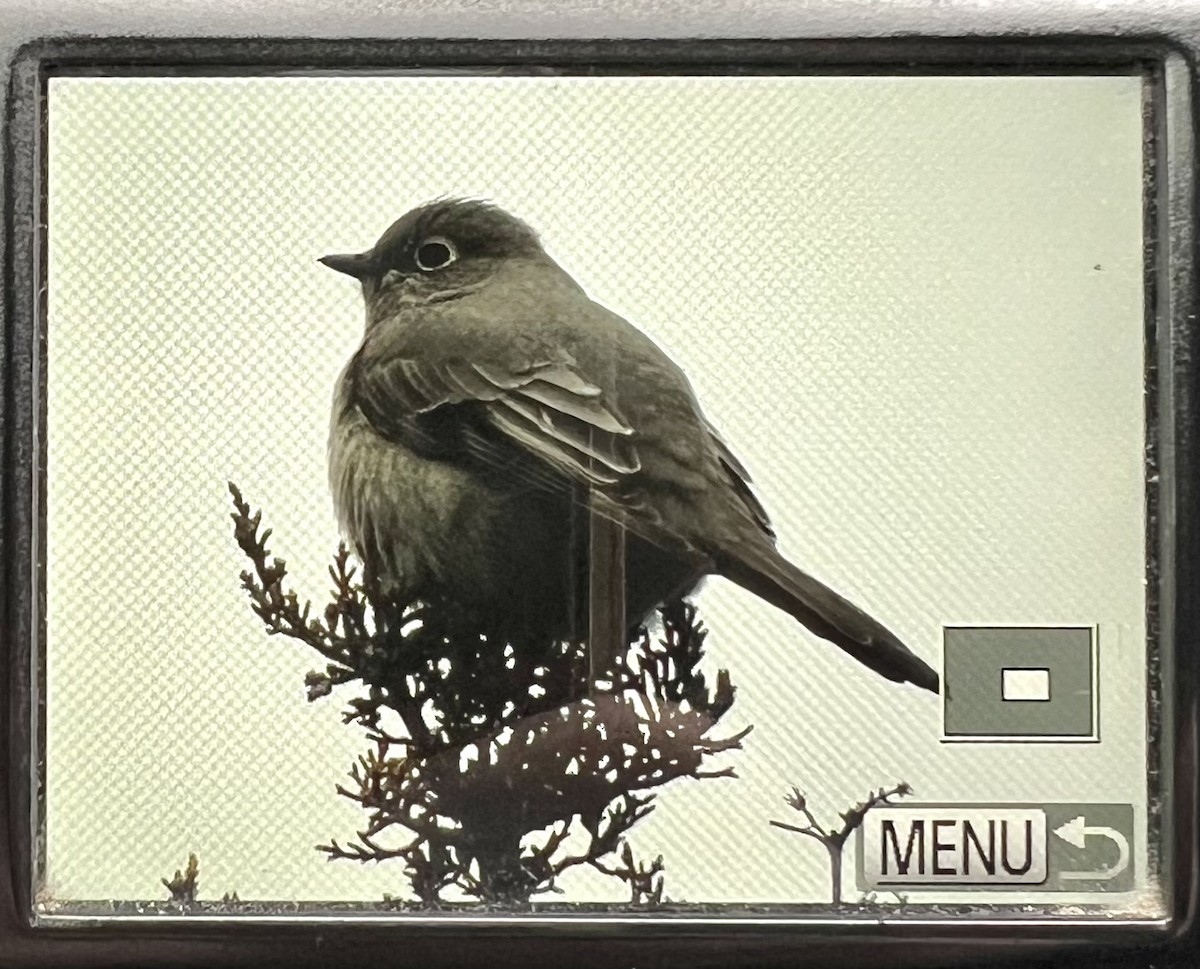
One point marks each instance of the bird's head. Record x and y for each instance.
(438, 250)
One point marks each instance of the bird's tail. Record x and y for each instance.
(771, 577)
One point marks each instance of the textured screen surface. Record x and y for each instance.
(913, 305)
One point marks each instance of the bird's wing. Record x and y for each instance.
(547, 408)
(740, 480)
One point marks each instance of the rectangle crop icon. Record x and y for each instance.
(1020, 684)
(1025, 685)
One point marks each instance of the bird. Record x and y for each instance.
(490, 396)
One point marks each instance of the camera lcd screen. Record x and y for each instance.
(837, 385)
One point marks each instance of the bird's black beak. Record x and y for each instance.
(360, 265)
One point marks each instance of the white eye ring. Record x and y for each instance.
(436, 252)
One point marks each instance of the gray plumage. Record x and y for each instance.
(490, 396)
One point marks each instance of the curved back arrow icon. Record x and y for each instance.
(1076, 831)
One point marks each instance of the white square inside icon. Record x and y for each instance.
(1025, 684)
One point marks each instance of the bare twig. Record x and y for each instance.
(834, 839)
(184, 885)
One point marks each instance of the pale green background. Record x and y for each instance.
(914, 305)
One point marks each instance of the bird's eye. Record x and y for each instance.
(434, 253)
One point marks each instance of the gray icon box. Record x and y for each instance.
(1019, 683)
(1091, 847)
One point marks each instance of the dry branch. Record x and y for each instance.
(500, 762)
